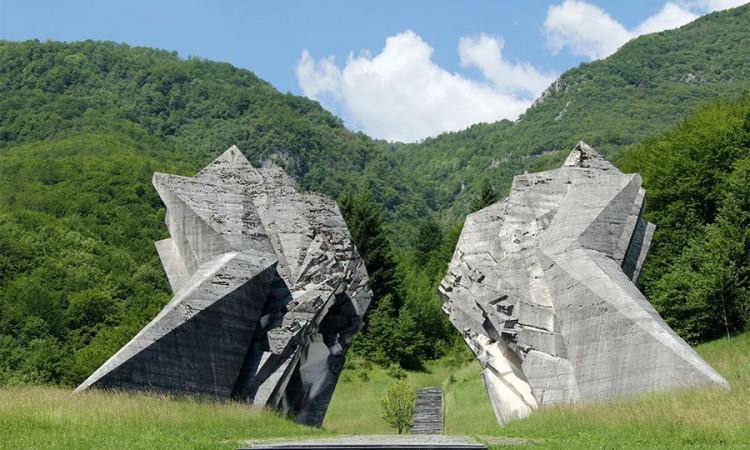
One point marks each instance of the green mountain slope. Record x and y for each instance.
(200, 107)
(193, 107)
(78, 272)
(643, 89)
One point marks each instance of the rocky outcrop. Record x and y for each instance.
(542, 288)
(268, 292)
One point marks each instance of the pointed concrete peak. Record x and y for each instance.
(234, 152)
(581, 152)
(231, 160)
(585, 156)
(233, 155)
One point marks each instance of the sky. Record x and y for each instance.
(397, 70)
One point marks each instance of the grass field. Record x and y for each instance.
(52, 418)
(46, 417)
(701, 418)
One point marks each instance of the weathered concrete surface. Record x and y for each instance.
(269, 291)
(541, 286)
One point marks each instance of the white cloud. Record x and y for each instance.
(317, 77)
(485, 53)
(671, 16)
(589, 31)
(401, 94)
(717, 5)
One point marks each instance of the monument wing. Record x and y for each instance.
(268, 292)
(542, 288)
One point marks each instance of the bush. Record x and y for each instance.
(398, 405)
(395, 371)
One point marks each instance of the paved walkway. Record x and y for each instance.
(428, 411)
(390, 442)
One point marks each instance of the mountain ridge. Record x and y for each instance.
(645, 87)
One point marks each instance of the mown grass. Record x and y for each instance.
(710, 417)
(52, 418)
(46, 417)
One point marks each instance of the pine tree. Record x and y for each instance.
(382, 339)
(486, 197)
(365, 222)
(429, 238)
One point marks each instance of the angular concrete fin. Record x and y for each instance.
(196, 240)
(165, 354)
(585, 156)
(510, 394)
(580, 208)
(599, 279)
(635, 257)
(357, 289)
(215, 210)
(605, 232)
(269, 390)
(631, 224)
(170, 257)
(290, 239)
(229, 215)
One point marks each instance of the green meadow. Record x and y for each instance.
(49, 417)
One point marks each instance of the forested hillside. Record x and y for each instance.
(84, 125)
(697, 178)
(645, 88)
(192, 107)
(78, 271)
(201, 107)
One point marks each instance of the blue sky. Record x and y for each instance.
(417, 68)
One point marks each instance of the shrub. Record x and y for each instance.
(395, 371)
(398, 405)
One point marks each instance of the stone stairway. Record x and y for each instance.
(428, 411)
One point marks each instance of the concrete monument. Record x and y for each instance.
(542, 288)
(268, 292)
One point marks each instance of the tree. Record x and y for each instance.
(365, 222)
(398, 405)
(486, 196)
(380, 340)
(429, 237)
(697, 273)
